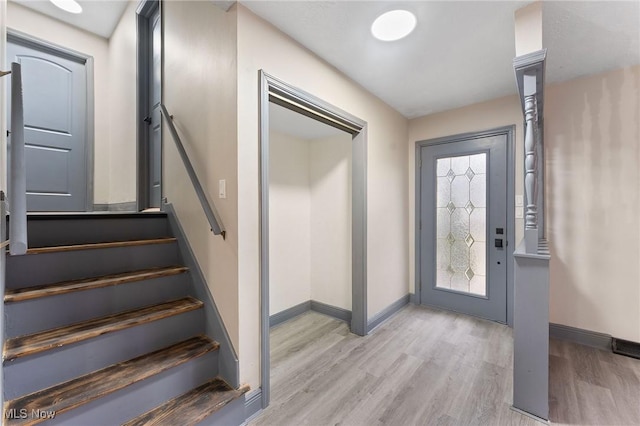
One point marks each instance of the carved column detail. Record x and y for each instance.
(531, 162)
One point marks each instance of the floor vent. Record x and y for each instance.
(625, 347)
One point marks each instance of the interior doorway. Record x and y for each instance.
(309, 237)
(149, 117)
(309, 217)
(58, 123)
(275, 91)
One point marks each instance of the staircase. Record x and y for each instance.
(102, 328)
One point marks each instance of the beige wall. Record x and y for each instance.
(261, 46)
(592, 137)
(483, 116)
(289, 222)
(199, 89)
(528, 28)
(37, 25)
(330, 186)
(122, 108)
(309, 221)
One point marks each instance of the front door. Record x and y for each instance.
(463, 226)
(55, 132)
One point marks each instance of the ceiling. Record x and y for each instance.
(97, 17)
(291, 123)
(460, 53)
(590, 37)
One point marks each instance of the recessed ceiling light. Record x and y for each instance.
(393, 25)
(70, 6)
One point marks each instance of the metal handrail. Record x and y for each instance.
(209, 210)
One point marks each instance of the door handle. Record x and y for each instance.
(147, 120)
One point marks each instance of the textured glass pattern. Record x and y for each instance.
(461, 223)
(459, 165)
(443, 167)
(444, 196)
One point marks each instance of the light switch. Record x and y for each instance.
(222, 188)
(519, 201)
(519, 213)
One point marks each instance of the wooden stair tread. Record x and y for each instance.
(81, 390)
(93, 246)
(191, 407)
(39, 342)
(28, 293)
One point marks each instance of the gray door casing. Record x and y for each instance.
(277, 91)
(426, 153)
(58, 117)
(149, 98)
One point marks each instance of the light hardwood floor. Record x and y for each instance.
(430, 367)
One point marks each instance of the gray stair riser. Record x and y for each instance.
(118, 407)
(56, 232)
(34, 372)
(231, 414)
(65, 309)
(48, 268)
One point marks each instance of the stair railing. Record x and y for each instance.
(209, 209)
(17, 171)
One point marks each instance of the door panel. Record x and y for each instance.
(55, 114)
(55, 100)
(155, 135)
(463, 213)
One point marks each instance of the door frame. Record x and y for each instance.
(509, 132)
(293, 98)
(144, 11)
(30, 41)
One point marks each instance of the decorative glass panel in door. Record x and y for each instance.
(461, 223)
(463, 238)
